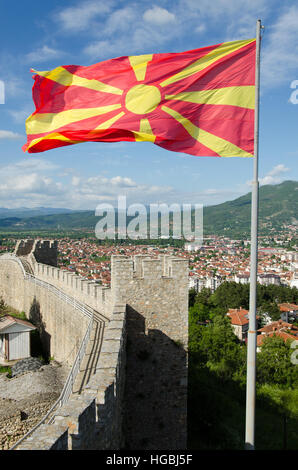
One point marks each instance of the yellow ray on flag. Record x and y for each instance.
(48, 122)
(139, 65)
(242, 96)
(221, 146)
(109, 122)
(66, 78)
(145, 133)
(208, 59)
(55, 136)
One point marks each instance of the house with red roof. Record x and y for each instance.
(239, 321)
(279, 328)
(288, 311)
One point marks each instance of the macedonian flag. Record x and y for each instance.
(199, 102)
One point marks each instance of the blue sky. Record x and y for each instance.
(45, 35)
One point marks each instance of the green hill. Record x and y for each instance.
(278, 206)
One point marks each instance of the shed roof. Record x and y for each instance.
(7, 321)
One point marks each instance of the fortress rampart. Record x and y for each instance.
(90, 293)
(137, 399)
(62, 326)
(45, 251)
(93, 419)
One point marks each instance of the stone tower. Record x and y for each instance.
(44, 251)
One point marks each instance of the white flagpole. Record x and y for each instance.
(252, 333)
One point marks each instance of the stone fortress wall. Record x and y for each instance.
(137, 398)
(63, 326)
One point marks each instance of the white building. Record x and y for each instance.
(192, 246)
(208, 282)
(14, 338)
(294, 280)
(269, 278)
(241, 278)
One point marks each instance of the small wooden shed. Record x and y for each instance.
(14, 338)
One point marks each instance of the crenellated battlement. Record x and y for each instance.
(42, 251)
(23, 247)
(140, 270)
(143, 266)
(89, 292)
(153, 291)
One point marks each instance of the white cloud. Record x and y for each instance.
(27, 181)
(98, 50)
(20, 115)
(28, 185)
(9, 135)
(131, 30)
(129, 41)
(34, 164)
(237, 18)
(275, 175)
(158, 16)
(123, 182)
(42, 54)
(32, 182)
(79, 18)
(75, 181)
(201, 28)
(280, 53)
(120, 20)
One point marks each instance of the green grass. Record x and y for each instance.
(216, 414)
(7, 310)
(5, 370)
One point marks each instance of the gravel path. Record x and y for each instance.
(25, 399)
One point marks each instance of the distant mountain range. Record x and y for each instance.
(24, 212)
(278, 205)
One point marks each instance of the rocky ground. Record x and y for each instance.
(26, 398)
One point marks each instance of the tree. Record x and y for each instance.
(231, 295)
(203, 296)
(191, 297)
(274, 363)
(272, 309)
(199, 312)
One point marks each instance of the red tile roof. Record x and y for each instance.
(276, 326)
(287, 307)
(238, 316)
(281, 334)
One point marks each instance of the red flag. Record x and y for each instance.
(199, 102)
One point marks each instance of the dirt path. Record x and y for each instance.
(25, 399)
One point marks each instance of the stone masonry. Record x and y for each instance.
(137, 399)
(44, 251)
(156, 294)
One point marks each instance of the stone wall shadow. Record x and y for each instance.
(155, 408)
(42, 343)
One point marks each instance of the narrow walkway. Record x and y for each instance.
(89, 362)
